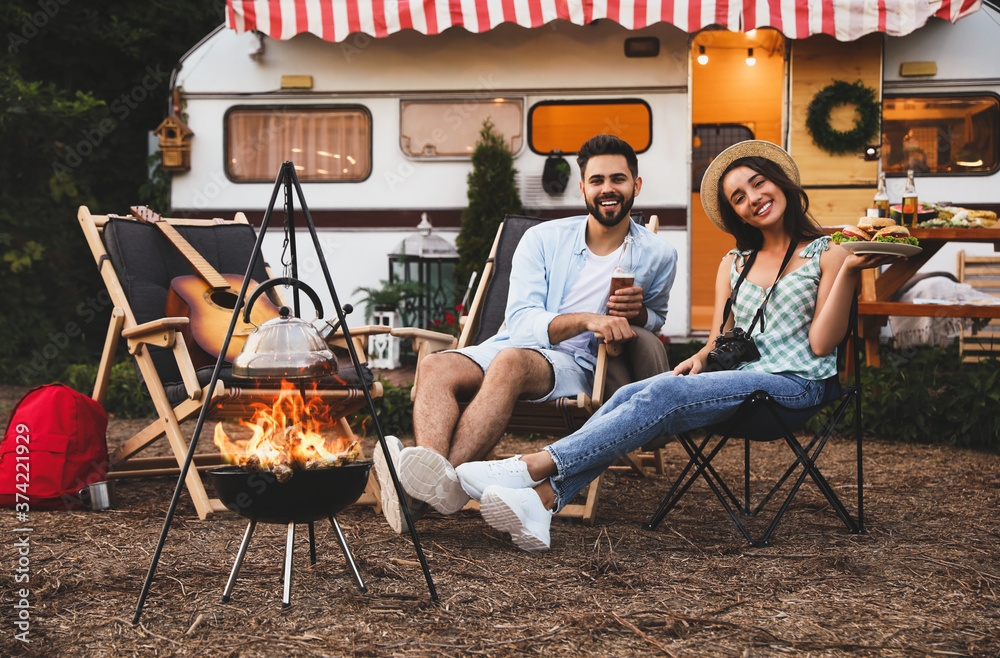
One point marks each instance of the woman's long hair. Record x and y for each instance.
(798, 222)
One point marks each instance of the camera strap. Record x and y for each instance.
(760, 311)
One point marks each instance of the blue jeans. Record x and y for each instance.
(665, 404)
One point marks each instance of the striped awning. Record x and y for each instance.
(334, 20)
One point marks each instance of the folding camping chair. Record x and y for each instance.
(761, 418)
(138, 263)
(486, 315)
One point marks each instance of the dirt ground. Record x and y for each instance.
(924, 580)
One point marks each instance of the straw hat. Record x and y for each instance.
(753, 147)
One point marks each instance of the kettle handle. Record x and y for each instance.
(282, 281)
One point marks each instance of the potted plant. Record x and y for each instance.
(390, 296)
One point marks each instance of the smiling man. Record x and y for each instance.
(558, 298)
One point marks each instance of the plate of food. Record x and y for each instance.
(877, 235)
(889, 248)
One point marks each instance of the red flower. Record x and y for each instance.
(460, 308)
(449, 318)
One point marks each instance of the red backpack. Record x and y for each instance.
(54, 446)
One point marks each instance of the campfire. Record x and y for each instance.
(286, 437)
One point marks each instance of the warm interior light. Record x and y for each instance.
(751, 60)
(702, 57)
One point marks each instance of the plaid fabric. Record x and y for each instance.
(783, 340)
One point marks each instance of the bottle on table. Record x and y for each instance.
(881, 197)
(910, 204)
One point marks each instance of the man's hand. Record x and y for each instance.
(627, 303)
(614, 329)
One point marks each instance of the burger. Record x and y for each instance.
(894, 233)
(873, 224)
(851, 234)
(874, 229)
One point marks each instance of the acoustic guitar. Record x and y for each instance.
(208, 298)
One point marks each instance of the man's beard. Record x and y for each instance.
(598, 213)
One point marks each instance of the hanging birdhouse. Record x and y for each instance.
(175, 144)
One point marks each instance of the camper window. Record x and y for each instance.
(450, 128)
(565, 125)
(940, 135)
(324, 143)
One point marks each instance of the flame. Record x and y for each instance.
(286, 436)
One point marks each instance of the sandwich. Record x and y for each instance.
(851, 234)
(874, 229)
(894, 233)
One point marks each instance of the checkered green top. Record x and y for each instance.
(784, 340)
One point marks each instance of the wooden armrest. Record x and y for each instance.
(155, 326)
(425, 340)
(363, 330)
(614, 349)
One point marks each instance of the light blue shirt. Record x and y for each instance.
(547, 263)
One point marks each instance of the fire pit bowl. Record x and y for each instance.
(309, 495)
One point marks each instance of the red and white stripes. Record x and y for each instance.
(334, 20)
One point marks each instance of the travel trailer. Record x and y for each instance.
(380, 120)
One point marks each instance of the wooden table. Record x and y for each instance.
(874, 307)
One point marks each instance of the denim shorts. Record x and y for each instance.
(570, 377)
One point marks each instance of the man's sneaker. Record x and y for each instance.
(430, 477)
(390, 501)
(511, 473)
(519, 512)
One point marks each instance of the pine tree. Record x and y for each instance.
(492, 194)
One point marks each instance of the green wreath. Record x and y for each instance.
(865, 126)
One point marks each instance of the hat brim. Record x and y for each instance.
(752, 147)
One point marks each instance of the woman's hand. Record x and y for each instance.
(858, 262)
(691, 366)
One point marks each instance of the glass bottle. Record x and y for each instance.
(882, 197)
(624, 274)
(910, 205)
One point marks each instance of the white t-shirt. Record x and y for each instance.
(589, 294)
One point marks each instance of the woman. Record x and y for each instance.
(794, 303)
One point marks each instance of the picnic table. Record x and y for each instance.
(874, 307)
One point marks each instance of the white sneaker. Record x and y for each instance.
(430, 477)
(511, 473)
(391, 508)
(519, 512)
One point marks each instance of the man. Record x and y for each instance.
(546, 350)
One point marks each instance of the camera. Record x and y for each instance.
(731, 349)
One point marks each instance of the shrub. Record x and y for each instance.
(125, 397)
(492, 194)
(928, 395)
(394, 409)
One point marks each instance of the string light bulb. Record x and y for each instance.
(751, 60)
(702, 57)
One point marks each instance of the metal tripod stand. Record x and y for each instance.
(286, 180)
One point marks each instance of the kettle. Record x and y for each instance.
(285, 347)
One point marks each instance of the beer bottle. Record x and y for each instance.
(910, 205)
(882, 197)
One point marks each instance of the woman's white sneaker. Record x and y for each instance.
(511, 473)
(519, 512)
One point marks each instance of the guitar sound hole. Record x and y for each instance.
(224, 299)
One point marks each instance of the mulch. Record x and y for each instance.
(923, 580)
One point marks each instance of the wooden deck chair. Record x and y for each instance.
(983, 274)
(137, 263)
(486, 314)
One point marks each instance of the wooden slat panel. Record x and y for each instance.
(816, 63)
(836, 207)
